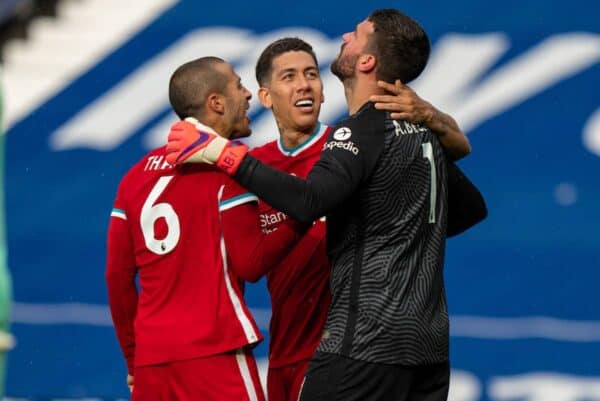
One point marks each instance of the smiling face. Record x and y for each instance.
(294, 91)
(237, 99)
(355, 43)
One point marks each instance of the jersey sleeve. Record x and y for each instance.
(251, 252)
(120, 279)
(234, 195)
(348, 157)
(466, 206)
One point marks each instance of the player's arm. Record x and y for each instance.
(120, 280)
(336, 175)
(466, 206)
(405, 104)
(343, 164)
(252, 253)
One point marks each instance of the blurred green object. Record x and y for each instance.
(6, 340)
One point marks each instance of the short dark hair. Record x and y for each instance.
(264, 65)
(400, 45)
(191, 84)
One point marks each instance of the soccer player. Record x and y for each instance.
(192, 235)
(382, 185)
(290, 85)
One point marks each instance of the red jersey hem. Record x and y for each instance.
(192, 354)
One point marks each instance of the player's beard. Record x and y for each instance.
(241, 124)
(241, 129)
(343, 66)
(241, 132)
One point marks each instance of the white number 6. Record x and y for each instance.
(151, 213)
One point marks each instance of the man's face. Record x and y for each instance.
(344, 66)
(237, 99)
(295, 91)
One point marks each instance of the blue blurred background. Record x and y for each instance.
(85, 93)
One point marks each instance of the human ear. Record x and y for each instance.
(264, 96)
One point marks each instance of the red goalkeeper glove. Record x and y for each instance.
(192, 142)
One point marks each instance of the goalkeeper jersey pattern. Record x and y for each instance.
(382, 185)
(299, 285)
(165, 226)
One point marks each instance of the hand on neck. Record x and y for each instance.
(209, 125)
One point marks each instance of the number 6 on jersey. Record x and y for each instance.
(150, 213)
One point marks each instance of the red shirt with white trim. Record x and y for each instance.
(299, 284)
(185, 232)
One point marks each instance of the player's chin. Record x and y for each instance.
(307, 120)
(242, 132)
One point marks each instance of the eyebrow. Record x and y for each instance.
(293, 69)
(286, 70)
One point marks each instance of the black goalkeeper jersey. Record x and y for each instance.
(382, 185)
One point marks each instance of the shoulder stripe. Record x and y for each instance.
(118, 213)
(315, 136)
(237, 200)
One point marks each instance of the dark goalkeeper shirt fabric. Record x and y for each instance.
(383, 186)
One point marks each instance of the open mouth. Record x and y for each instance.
(304, 104)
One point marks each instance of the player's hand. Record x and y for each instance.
(188, 144)
(130, 382)
(192, 142)
(404, 104)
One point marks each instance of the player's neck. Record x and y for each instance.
(214, 125)
(358, 92)
(292, 138)
(220, 127)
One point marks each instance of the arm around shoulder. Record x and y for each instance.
(251, 252)
(403, 103)
(454, 141)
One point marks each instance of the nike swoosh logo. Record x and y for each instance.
(201, 139)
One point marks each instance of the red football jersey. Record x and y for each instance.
(299, 285)
(169, 226)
